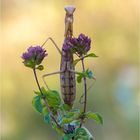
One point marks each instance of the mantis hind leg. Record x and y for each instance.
(76, 72)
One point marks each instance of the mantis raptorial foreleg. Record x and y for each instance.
(49, 38)
(45, 75)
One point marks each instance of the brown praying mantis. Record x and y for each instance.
(67, 69)
(64, 119)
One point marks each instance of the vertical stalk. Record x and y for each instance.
(85, 87)
(34, 70)
(46, 103)
(85, 92)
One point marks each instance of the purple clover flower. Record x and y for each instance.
(85, 42)
(80, 45)
(33, 56)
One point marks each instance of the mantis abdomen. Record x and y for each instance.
(67, 78)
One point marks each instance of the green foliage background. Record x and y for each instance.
(113, 27)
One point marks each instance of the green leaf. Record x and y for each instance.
(76, 61)
(90, 55)
(47, 118)
(89, 74)
(52, 97)
(40, 67)
(75, 110)
(45, 111)
(66, 120)
(79, 78)
(68, 136)
(81, 138)
(36, 102)
(37, 92)
(46, 115)
(74, 113)
(80, 131)
(83, 134)
(95, 116)
(58, 130)
(66, 107)
(76, 122)
(70, 116)
(43, 90)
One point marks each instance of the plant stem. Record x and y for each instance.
(85, 91)
(34, 70)
(46, 103)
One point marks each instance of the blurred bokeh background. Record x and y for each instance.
(113, 27)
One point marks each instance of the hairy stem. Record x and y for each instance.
(46, 103)
(85, 92)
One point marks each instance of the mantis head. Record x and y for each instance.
(70, 9)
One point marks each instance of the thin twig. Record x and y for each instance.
(46, 103)
(85, 92)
